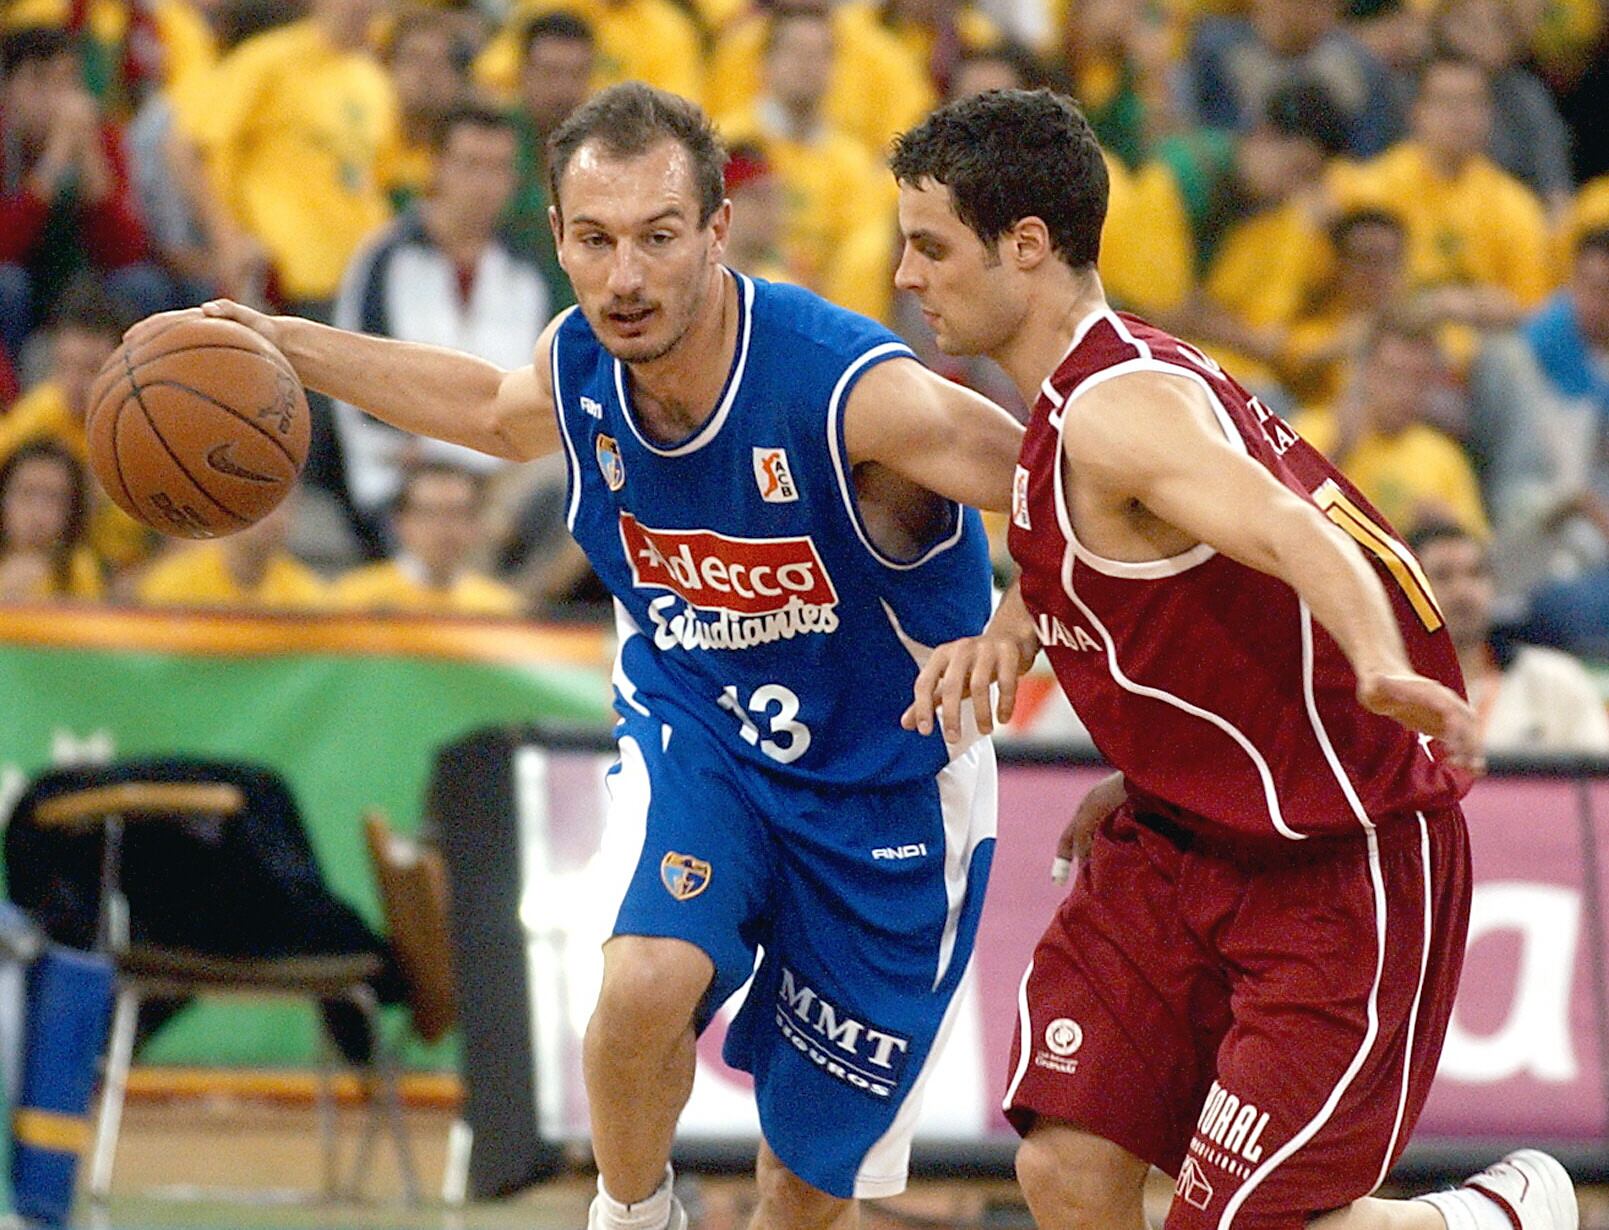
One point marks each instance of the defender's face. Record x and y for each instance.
(631, 242)
(972, 301)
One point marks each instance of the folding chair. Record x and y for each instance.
(149, 972)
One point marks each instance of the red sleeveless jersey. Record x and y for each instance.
(1208, 683)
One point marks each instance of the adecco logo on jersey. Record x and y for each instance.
(747, 576)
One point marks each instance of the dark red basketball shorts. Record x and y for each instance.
(1236, 1019)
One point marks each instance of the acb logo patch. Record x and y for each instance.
(683, 876)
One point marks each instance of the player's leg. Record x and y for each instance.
(638, 1057)
(1118, 1018)
(877, 895)
(683, 942)
(1527, 1190)
(1075, 1180)
(786, 1200)
(1322, 1076)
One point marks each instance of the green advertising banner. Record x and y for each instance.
(350, 711)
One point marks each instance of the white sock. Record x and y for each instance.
(649, 1213)
(1464, 1208)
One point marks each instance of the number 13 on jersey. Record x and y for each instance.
(790, 739)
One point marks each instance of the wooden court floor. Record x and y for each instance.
(224, 1164)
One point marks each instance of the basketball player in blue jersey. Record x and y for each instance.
(773, 489)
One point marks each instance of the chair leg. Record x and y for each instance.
(114, 1087)
(385, 1096)
(324, 1108)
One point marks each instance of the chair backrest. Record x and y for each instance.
(412, 879)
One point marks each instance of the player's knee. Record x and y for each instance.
(787, 1202)
(651, 988)
(1084, 1180)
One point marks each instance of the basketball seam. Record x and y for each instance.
(227, 409)
(117, 461)
(280, 363)
(155, 431)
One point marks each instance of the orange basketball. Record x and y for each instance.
(198, 427)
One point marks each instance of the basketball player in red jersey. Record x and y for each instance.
(1249, 983)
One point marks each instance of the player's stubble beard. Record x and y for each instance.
(695, 306)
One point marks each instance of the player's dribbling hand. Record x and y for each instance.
(1105, 797)
(257, 322)
(1430, 708)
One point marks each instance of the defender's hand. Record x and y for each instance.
(1105, 797)
(970, 667)
(1429, 707)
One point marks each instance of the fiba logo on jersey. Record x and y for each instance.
(773, 477)
(614, 470)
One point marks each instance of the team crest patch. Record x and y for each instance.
(773, 477)
(614, 470)
(684, 876)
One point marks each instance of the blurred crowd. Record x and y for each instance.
(1388, 218)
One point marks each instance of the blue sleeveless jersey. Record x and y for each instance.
(749, 595)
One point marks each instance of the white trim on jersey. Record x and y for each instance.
(1372, 1032)
(841, 470)
(1413, 1012)
(712, 428)
(1079, 330)
(1264, 774)
(625, 628)
(564, 430)
(1025, 1036)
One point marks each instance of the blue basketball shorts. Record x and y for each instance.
(865, 905)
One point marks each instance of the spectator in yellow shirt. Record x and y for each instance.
(838, 204)
(637, 40)
(44, 509)
(1469, 223)
(249, 570)
(83, 332)
(878, 86)
(440, 525)
(754, 239)
(1412, 472)
(428, 58)
(299, 127)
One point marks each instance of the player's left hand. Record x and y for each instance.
(971, 667)
(1431, 708)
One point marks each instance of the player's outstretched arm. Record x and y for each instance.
(948, 439)
(971, 668)
(1153, 438)
(427, 390)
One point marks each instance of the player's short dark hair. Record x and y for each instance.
(1358, 219)
(472, 115)
(1006, 155)
(1595, 240)
(1429, 533)
(34, 43)
(85, 305)
(1306, 109)
(630, 119)
(564, 27)
(412, 476)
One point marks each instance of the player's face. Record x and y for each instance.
(972, 301)
(641, 265)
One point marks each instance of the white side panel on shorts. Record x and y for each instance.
(1418, 994)
(1025, 1037)
(625, 628)
(883, 1170)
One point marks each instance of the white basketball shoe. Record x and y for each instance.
(1527, 1190)
(598, 1216)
